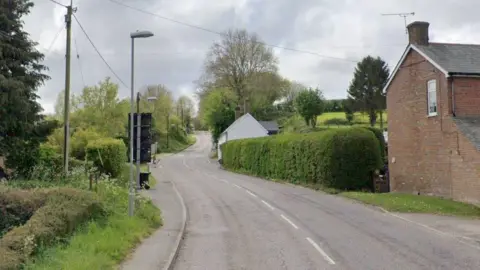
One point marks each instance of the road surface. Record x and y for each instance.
(242, 222)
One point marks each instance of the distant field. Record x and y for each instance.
(359, 117)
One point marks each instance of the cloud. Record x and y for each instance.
(349, 29)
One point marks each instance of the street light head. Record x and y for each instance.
(141, 34)
(151, 98)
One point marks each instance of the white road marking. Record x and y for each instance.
(185, 164)
(249, 192)
(268, 205)
(237, 186)
(319, 249)
(223, 180)
(289, 221)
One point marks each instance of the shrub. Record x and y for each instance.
(341, 158)
(381, 140)
(63, 211)
(80, 140)
(336, 122)
(108, 155)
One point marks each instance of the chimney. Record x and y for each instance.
(418, 33)
(237, 112)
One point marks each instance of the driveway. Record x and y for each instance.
(241, 222)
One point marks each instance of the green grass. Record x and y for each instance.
(360, 119)
(409, 203)
(175, 146)
(98, 245)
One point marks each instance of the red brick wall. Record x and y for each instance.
(467, 96)
(423, 150)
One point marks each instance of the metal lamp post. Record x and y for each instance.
(131, 193)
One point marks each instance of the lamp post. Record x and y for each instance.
(131, 193)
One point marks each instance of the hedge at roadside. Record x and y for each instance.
(108, 155)
(342, 158)
(381, 139)
(59, 212)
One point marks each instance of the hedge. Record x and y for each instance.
(381, 139)
(58, 214)
(342, 158)
(108, 155)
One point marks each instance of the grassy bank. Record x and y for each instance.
(103, 242)
(409, 203)
(175, 146)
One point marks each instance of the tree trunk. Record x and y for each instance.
(372, 115)
(381, 120)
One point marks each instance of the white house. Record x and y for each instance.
(244, 127)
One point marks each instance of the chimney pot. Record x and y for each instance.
(418, 33)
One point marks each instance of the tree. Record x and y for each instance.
(309, 104)
(21, 73)
(236, 62)
(185, 110)
(366, 87)
(219, 111)
(349, 110)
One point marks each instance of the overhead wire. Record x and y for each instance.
(79, 62)
(98, 52)
(221, 34)
(47, 52)
(60, 4)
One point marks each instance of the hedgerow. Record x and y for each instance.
(342, 158)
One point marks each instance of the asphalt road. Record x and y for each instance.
(241, 222)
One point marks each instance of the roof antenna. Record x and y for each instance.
(404, 15)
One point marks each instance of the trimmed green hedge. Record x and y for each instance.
(108, 155)
(381, 139)
(58, 213)
(342, 158)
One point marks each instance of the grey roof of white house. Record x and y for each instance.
(269, 125)
(470, 127)
(454, 58)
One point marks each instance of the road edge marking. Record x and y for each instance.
(251, 193)
(319, 249)
(289, 221)
(237, 186)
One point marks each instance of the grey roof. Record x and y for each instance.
(269, 125)
(470, 127)
(454, 58)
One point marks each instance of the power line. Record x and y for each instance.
(54, 40)
(98, 52)
(221, 34)
(60, 4)
(79, 62)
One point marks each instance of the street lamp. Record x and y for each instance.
(131, 193)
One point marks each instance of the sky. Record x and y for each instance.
(333, 33)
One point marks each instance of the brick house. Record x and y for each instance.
(433, 102)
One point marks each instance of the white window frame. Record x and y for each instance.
(432, 89)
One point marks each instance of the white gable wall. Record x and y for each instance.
(245, 127)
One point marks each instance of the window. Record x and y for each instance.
(432, 98)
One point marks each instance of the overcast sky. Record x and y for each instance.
(346, 29)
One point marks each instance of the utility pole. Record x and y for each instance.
(66, 119)
(404, 15)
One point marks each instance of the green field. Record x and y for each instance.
(358, 117)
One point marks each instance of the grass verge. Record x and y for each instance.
(151, 180)
(395, 202)
(175, 146)
(409, 203)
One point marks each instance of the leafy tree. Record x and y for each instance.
(348, 108)
(185, 110)
(238, 62)
(366, 87)
(21, 73)
(219, 111)
(309, 104)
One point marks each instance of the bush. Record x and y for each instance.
(64, 209)
(108, 155)
(336, 122)
(341, 158)
(379, 135)
(80, 140)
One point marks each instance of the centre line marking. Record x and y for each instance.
(248, 191)
(223, 180)
(319, 249)
(237, 186)
(268, 205)
(289, 221)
